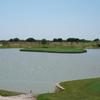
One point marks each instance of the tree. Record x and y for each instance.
(55, 40)
(60, 39)
(11, 40)
(73, 40)
(44, 41)
(30, 39)
(96, 40)
(14, 40)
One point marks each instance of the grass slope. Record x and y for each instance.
(88, 89)
(55, 50)
(8, 93)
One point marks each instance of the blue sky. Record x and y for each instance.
(49, 19)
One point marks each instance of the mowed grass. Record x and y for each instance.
(87, 89)
(55, 50)
(8, 93)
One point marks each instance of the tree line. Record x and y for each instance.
(54, 40)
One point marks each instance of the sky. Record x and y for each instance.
(49, 19)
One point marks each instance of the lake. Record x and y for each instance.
(39, 72)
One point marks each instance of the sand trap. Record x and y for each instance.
(19, 97)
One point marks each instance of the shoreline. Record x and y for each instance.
(62, 88)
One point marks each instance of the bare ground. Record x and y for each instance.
(19, 97)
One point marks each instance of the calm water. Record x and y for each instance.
(25, 71)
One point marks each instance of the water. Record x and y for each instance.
(39, 72)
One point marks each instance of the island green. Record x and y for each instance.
(55, 50)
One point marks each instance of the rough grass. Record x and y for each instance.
(8, 93)
(88, 89)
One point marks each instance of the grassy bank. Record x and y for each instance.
(88, 89)
(8, 93)
(55, 50)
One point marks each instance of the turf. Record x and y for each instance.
(55, 50)
(88, 89)
(8, 93)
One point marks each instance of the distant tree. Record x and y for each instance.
(30, 40)
(43, 41)
(83, 40)
(96, 40)
(11, 40)
(55, 40)
(14, 40)
(70, 40)
(73, 40)
(60, 39)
